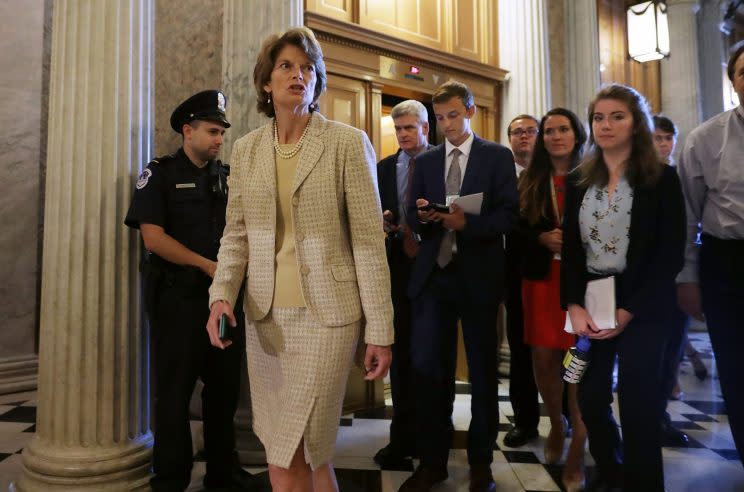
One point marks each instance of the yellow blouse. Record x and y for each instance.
(287, 287)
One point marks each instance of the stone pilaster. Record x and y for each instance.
(92, 428)
(582, 43)
(245, 26)
(710, 56)
(523, 51)
(680, 80)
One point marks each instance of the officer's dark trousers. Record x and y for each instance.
(636, 459)
(402, 436)
(722, 288)
(435, 314)
(522, 387)
(181, 353)
(672, 356)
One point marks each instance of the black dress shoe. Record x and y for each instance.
(391, 458)
(519, 436)
(601, 485)
(673, 438)
(481, 479)
(424, 478)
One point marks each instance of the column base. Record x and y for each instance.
(48, 468)
(18, 374)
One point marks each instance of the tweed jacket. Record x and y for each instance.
(337, 219)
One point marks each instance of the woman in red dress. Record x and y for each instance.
(541, 190)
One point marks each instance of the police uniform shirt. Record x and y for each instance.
(177, 195)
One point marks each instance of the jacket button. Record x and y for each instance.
(295, 201)
(305, 269)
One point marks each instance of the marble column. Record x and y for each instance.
(92, 422)
(582, 54)
(680, 79)
(523, 51)
(245, 26)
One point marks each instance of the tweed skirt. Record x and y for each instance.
(298, 371)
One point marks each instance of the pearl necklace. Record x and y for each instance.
(291, 153)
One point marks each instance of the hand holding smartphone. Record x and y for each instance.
(222, 333)
(437, 207)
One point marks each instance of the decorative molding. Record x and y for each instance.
(18, 374)
(360, 38)
(345, 58)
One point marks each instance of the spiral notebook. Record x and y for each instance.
(599, 302)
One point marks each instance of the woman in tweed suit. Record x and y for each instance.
(304, 227)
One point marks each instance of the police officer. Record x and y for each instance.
(179, 207)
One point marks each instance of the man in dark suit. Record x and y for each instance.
(458, 274)
(411, 123)
(522, 132)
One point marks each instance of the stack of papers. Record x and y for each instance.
(599, 302)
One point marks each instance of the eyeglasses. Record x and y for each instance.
(519, 132)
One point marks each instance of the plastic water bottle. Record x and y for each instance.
(576, 361)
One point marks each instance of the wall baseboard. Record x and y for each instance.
(19, 374)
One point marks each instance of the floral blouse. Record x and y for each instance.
(605, 227)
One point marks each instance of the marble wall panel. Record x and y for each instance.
(21, 75)
(188, 59)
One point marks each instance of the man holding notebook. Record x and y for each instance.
(458, 275)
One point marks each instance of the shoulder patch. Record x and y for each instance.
(143, 179)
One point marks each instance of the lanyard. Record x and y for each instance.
(554, 199)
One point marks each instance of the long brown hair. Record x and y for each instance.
(643, 167)
(534, 183)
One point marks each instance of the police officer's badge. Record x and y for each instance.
(221, 101)
(143, 178)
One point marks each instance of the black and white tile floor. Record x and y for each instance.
(709, 464)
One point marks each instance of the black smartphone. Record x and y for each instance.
(437, 207)
(223, 327)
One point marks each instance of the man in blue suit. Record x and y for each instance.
(458, 274)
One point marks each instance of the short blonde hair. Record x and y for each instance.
(304, 39)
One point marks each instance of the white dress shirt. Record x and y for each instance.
(712, 177)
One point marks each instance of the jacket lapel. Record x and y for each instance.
(471, 170)
(265, 158)
(640, 214)
(312, 149)
(391, 179)
(438, 186)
